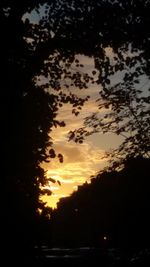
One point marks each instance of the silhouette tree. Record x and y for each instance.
(122, 61)
(28, 114)
(36, 72)
(25, 134)
(114, 205)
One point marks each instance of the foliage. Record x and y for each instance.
(114, 205)
(122, 62)
(40, 55)
(28, 114)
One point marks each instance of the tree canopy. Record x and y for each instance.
(37, 55)
(122, 62)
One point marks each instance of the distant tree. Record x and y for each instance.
(115, 204)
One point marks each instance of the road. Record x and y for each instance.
(94, 257)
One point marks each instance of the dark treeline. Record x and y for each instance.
(24, 136)
(111, 211)
(29, 107)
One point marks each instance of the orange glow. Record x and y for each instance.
(81, 161)
(69, 175)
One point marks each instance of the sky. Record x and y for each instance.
(81, 161)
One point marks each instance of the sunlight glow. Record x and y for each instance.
(81, 161)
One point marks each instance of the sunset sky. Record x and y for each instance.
(81, 161)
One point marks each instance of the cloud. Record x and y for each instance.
(54, 188)
(81, 161)
(72, 122)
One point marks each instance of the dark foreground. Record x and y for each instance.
(91, 257)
